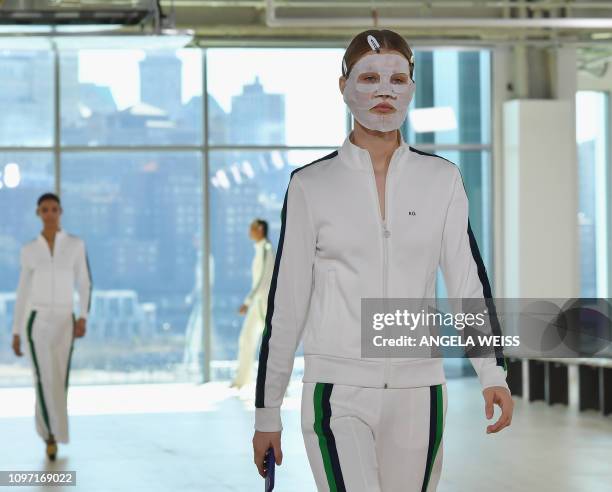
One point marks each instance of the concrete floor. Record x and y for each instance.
(184, 438)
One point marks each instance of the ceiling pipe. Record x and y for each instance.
(519, 23)
(433, 22)
(454, 44)
(432, 4)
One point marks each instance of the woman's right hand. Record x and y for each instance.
(261, 442)
(17, 345)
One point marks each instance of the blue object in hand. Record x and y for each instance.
(269, 462)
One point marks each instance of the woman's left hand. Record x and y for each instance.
(79, 328)
(17, 346)
(498, 395)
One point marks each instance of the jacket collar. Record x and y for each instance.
(359, 158)
(59, 235)
(260, 243)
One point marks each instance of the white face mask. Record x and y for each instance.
(373, 76)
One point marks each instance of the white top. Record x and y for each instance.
(262, 267)
(47, 281)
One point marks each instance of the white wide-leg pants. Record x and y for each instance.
(374, 439)
(49, 341)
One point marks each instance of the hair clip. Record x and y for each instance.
(373, 43)
(344, 69)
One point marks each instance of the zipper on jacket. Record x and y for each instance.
(385, 235)
(52, 253)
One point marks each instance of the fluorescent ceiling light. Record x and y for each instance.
(27, 29)
(74, 29)
(433, 119)
(150, 41)
(12, 175)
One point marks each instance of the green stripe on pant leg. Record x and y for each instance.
(41, 395)
(318, 409)
(70, 354)
(440, 422)
(435, 431)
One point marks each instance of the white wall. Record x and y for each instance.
(540, 199)
(535, 182)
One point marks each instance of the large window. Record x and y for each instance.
(141, 169)
(275, 97)
(138, 207)
(452, 101)
(26, 98)
(141, 218)
(131, 97)
(592, 108)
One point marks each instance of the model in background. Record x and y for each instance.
(52, 265)
(255, 303)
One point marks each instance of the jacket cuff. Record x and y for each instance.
(268, 419)
(494, 378)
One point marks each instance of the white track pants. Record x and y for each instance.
(49, 340)
(374, 439)
(252, 328)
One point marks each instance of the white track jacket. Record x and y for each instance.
(48, 281)
(261, 272)
(334, 248)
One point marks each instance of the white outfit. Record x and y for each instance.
(335, 249)
(44, 319)
(256, 300)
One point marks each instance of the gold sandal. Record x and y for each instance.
(51, 450)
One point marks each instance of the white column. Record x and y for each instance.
(540, 199)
